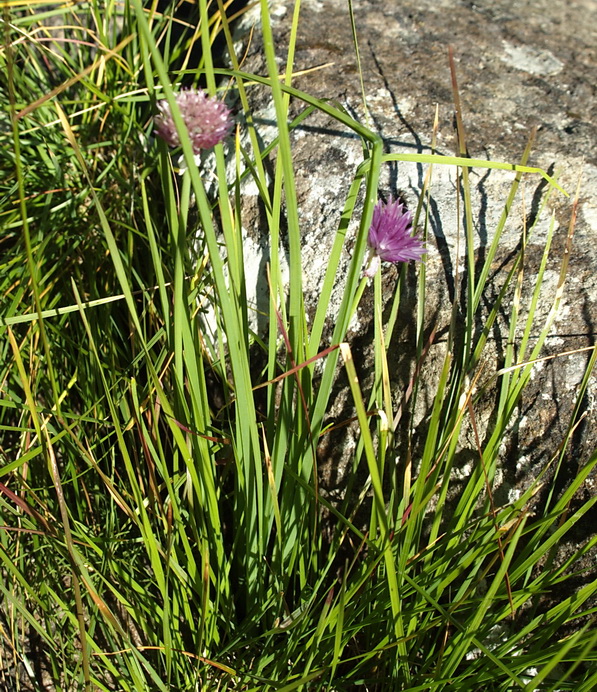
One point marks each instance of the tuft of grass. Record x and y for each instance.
(162, 524)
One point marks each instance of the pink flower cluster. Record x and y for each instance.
(207, 120)
(391, 236)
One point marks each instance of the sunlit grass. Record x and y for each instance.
(160, 508)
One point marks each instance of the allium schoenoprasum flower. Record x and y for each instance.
(391, 236)
(208, 120)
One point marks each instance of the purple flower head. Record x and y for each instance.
(391, 237)
(207, 119)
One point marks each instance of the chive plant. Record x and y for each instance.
(160, 509)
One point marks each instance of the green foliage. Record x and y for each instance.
(161, 519)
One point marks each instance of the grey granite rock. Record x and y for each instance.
(520, 65)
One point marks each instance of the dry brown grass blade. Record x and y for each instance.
(73, 80)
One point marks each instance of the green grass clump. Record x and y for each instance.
(161, 530)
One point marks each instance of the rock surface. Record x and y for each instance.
(519, 65)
